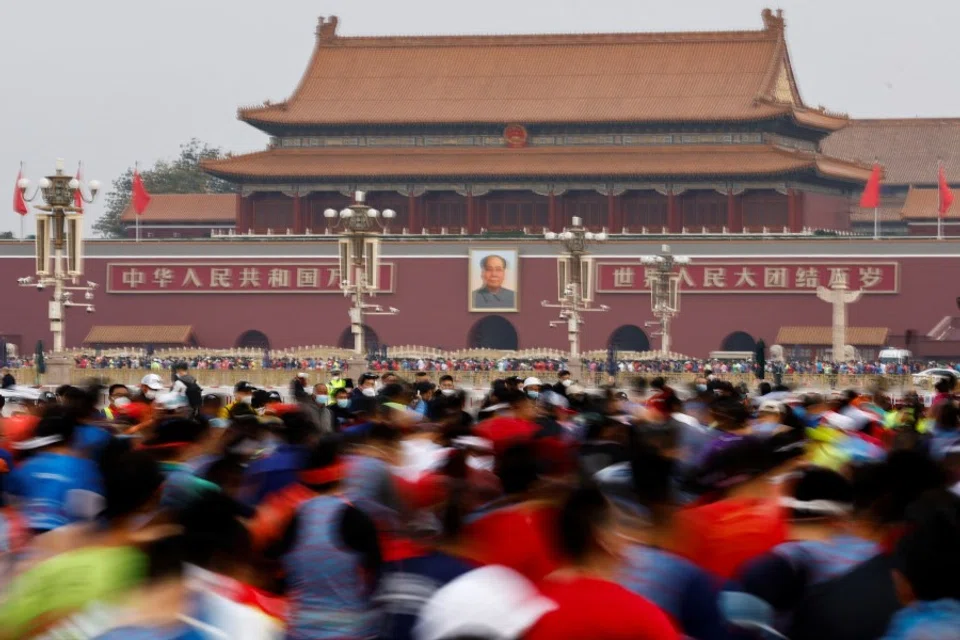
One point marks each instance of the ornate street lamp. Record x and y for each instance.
(60, 223)
(575, 282)
(360, 260)
(664, 292)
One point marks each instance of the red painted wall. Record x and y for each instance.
(821, 211)
(431, 294)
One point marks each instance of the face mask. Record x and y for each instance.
(343, 403)
(567, 382)
(121, 401)
(369, 392)
(448, 392)
(247, 399)
(336, 377)
(533, 395)
(150, 395)
(322, 399)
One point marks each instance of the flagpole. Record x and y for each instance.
(22, 216)
(136, 169)
(876, 223)
(939, 201)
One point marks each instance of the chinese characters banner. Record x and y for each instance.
(219, 277)
(760, 277)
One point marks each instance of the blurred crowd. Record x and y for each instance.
(503, 365)
(387, 506)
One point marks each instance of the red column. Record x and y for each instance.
(472, 226)
(792, 213)
(797, 212)
(614, 217)
(413, 214)
(239, 223)
(552, 212)
(674, 218)
(734, 213)
(298, 226)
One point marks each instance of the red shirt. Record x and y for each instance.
(598, 610)
(520, 537)
(722, 536)
(504, 431)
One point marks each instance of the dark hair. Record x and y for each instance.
(817, 483)
(658, 383)
(945, 384)
(562, 373)
(260, 398)
(764, 388)
(297, 427)
(652, 475)
(928, 555)
(213, 536)
(455, 510)
(62, 389)
(339, 390)
(114, 387)
(731, 409)
(483, 262)
(325, 454)
(3, 401)
(585, 511)
(949, 418)
(905, 476)
(129, 480)
(516, 468)
(181, 366)
(446, 377)
(425, 387)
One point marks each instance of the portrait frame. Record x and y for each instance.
(477, 300)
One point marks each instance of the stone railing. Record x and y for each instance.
(482, 379)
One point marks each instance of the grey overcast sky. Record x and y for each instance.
(110, 82)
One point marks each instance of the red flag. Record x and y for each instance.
(77, 196)
(140, 196)
(19, 204)
(870, 199)
(946, 196)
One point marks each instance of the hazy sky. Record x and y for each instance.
(110, 82)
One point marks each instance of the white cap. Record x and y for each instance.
(770, 406)
(172, 401)
(303, 375)
(490, 602)
(532, 382)
(152, 381)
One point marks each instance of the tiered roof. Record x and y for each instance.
(909, 149)
(185, 207)
(565, 162)
(724, 76)
(823, 336)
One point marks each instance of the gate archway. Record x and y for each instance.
(253, 339)
(493, 332)
(738, 341)
(629, 337)
(370, 339)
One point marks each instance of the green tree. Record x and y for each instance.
(181, 175)
(6, 235)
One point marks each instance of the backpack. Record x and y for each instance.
(192, 391)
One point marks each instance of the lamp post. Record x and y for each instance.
(575, 284)
(60, 224)
(360, 263)
(664, 292)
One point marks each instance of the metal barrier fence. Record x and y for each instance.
(482, 379)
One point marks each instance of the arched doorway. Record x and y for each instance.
(629, 337)
(371, 341)
(493, 332)
(253, 339)
(738, 341)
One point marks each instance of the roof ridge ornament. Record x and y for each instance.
(773, 21)
(327, 27)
